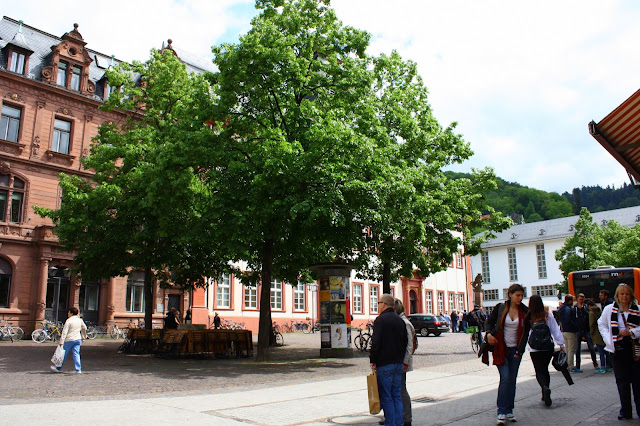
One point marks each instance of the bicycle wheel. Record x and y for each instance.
(279, 339)
(55, 335)
(306, 328)
(39, 335)
(18, 333)
(114, 333)
(360, 343)
(475, 346)
(91, 333)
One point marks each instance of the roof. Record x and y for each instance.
(619, 133)
(559, 228)
(40, 43)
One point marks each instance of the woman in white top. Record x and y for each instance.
(540, 318)
(618, 324)
(73, 332)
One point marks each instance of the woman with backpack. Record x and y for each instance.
(544, 331)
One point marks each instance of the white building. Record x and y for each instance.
(525, 254)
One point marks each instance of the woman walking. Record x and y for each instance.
(618, 325)
(507, 328)
(73, 332)
(544, 331)
(605, 358)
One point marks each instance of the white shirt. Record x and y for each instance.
(604, 325)
(511, 331)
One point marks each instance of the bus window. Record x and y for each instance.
(591, 282)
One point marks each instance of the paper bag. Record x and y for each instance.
(58, 356)
(372, 390)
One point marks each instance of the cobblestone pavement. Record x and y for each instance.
(25, 374)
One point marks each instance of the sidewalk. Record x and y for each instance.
(461, 393)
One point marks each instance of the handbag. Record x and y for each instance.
(560, 363)
(635, 345)
(58, 356)
(372, 391)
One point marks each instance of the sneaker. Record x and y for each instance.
(78, 372)
(502, 419)
(511, 418)
(55, 369)
(576, 370)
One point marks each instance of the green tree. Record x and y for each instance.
(142, 207)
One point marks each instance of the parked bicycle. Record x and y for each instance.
(49, 331)
(117, 332)
(12, 332)
(362, 341)
(92, 330)
(310, 328)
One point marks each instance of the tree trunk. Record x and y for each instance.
(264, 331)
(386, 278)
(148, 298)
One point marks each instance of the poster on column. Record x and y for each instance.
(338, 288)
(338, 312)
(339, 336)
(325, 336)
(325, 308)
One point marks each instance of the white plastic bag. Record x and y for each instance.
(58, 356)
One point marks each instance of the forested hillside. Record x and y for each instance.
(526, 205)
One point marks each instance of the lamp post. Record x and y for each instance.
(313, 288)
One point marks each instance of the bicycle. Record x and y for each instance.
(309, 329)
(277, 336)
(362, 341)
(14, 332)
(92, 332)
(476, 339)
(117, 332)
(49, 331)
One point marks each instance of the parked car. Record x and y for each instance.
(426, 324)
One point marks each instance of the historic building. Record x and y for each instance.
(525, 254)
(50, 92)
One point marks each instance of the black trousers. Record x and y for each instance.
(627, 373)
(541, 360)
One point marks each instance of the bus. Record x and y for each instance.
(604, 278)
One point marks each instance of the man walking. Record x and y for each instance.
(454, 321)
(582, 315)
(569, 324)
(389, 344)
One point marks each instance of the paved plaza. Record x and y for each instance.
(449, 386)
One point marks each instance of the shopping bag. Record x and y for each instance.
(58, 356)
(372, 390)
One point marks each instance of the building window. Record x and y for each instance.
(357, 298)
(429, 303)
(251, 297)
(61, 136)
(460, 302)
(373, 293)
(458, 261)
(6, 272)
(135, 292)
(75, 78)
(17, 62)
(276, 295)
(299, 297)
(544, 290)
(513, 267)
(223, 292)
(542, 261)
(491, 294)
(505, 293)
(440, 303)
(11, 198)
(486, 276)
(10, 123)
(88, 299)
(61, 79)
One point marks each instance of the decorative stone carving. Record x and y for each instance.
(14, 97)
(5, 167)
(11, 147)
(91, 87)
(65, 111)
(35, 145)
(48, 74)
(56, 157)
(476, 284)
(41, 103)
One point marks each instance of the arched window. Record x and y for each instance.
(5, 282)
(12, 191)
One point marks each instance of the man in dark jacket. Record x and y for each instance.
(389, 343)
(605, 298)
(582, 315)
(569, 324)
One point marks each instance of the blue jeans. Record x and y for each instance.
(390, 391)
(605, 357)
(454, 326)
(587, 337)
(74, 347)
(508, 375)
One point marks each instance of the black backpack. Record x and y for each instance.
(540, 337)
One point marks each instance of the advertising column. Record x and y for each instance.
(335, 311)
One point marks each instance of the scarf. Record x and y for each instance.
(633, 320)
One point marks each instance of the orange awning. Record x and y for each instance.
(619, 133)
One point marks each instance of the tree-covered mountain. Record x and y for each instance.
(526, 205)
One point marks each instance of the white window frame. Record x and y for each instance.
(373, 298)
(486, 272)
(223, 292)
(276, 295)
(299, 296)
(357, 298)
(513, 264)
(429, 297)
(491, 294)
(250, 297)
(542, 261)
(440, 303)
(61, 141)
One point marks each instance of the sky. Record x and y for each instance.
(522, 80)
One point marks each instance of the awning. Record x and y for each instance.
(619, 133)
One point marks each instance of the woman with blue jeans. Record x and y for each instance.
(73, 332)
(507, 330)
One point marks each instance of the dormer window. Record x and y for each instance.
(62, 74)
(17, 62)
(70, 62)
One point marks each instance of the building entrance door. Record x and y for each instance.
(88, 301)
(174, 302)
(57, 294)
(413, 302)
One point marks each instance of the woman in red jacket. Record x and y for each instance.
(507, 329)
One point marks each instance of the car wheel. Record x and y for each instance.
(424, 332)
(436, 334)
